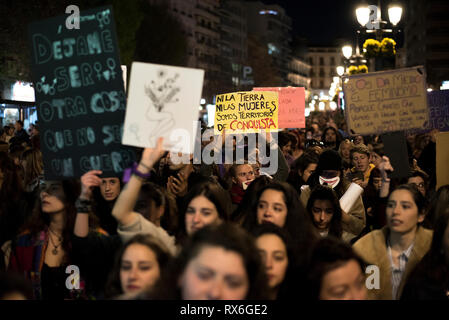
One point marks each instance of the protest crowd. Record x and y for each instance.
(229, 231)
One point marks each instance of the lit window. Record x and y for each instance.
(272, 48)
(273, 12)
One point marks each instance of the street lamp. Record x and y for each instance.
(362, 14)
(347, 51)
(363, 17)
(394, 14)
(341, 70)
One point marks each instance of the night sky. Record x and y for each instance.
(322, 21)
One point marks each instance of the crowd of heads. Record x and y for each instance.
(224, 231)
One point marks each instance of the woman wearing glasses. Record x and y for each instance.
(420, 179)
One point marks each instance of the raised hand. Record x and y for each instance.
(177, 186)
(89, 180)
(385, 165)
(151, 155)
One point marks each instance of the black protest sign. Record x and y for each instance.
(438, 102)
(395, 148)
(79, 94)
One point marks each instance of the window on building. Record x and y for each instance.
(332, 61)
(321, 61)
(272, 49)
(321, 72)
(310, 60)
(321, 84)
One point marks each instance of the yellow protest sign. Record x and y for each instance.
(386, 101)
(246, 112)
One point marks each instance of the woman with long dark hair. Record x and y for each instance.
(205, 204)
(335, 272)
(138, 266)
(278, 256)
(44, 249)
(399, 246)
(331, 138)
(249, 199)
(278, 203)
(219, 262)
(103, 200)
(325, 212)
(329, 172)
(302, 169)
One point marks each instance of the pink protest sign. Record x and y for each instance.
(291, 106)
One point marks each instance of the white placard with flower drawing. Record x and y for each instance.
(163, 101)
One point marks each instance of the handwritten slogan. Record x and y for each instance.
(246, 112)
(386, 101)
(291, 106)
(79, 94)
(439, 109)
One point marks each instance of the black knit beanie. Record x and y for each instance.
(329, 160)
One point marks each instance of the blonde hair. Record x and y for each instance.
(346, 141)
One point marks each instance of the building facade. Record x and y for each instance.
(272, 27)
(323, 62)
(233, 44)
(427, 38)
(299, 74)
(200, 21)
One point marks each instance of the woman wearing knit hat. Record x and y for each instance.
(329, 172)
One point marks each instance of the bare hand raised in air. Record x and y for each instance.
(89, 180)
(151, 155)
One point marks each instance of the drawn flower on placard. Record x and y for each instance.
(162, 90)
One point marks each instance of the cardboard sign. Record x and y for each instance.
(79, 94)
(442, 165)
(387, 101)
(291, 106)
(246, 112)
(395, 148)
(163, 101)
